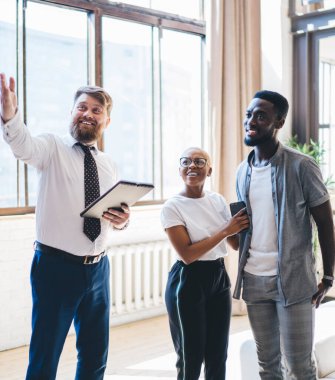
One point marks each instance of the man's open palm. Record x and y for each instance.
(8, 98)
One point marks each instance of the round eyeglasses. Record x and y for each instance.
(185, 162)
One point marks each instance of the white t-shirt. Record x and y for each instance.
(264, 241)
(202, 218)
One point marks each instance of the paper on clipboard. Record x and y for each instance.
(122, 192)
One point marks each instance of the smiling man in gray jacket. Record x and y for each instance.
(283, 189)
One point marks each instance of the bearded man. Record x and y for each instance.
(70, 269)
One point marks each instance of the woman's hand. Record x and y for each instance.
(189, 252)
(238, 222)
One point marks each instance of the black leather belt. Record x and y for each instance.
(86, 260)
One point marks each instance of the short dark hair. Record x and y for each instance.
(279, 101)
(98, 93)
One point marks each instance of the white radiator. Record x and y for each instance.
(138, 279)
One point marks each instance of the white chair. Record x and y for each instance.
(242, 358)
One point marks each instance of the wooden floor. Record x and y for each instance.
(138, 351)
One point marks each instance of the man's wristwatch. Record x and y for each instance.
(328, 280)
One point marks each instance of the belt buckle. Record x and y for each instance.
(93, 259)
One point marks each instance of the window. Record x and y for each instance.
(56, 59)
(326, 102)
(155, 79)
(149, 60)
(9, 169)
(181, 102)
(307, 6)
(127, 75)
(314, 81)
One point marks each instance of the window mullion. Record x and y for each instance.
(160, 110)
(21, 6)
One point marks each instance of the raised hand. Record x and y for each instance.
(8, 98)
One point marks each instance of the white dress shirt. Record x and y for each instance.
(60, 199)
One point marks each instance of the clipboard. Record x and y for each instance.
(122, 192)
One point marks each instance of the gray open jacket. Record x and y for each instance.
(297, 186)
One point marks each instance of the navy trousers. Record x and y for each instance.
(199, 306)
(64, 291)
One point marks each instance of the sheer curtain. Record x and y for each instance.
(234, 75)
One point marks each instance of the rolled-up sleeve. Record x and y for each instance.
(314, 189)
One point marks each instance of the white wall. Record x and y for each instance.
(16, 242)
(277, 52)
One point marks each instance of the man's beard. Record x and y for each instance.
(257, 141)
(84, 135)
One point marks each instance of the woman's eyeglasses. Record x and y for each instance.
(185, 162)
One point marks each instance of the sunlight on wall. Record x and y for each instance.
(277, 52)
(271, 42)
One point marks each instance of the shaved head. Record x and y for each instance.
(202, 153)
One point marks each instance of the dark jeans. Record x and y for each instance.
(199, 307)
(64, 291)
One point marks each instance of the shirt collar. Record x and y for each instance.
(273, 160)
(71, 142)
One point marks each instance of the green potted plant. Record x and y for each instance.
(314, 150)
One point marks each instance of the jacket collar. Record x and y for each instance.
(273, 160)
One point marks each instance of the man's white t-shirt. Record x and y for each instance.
(264, 242)
(202, 217)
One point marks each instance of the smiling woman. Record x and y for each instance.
(198, 223)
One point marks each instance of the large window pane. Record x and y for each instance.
(8, 164)
(56, 67)
(181, 102)
(127, 75)
(326, 104)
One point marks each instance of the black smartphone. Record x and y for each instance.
(236, 207)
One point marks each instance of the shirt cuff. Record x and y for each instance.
(122, 228)
(11, 126)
